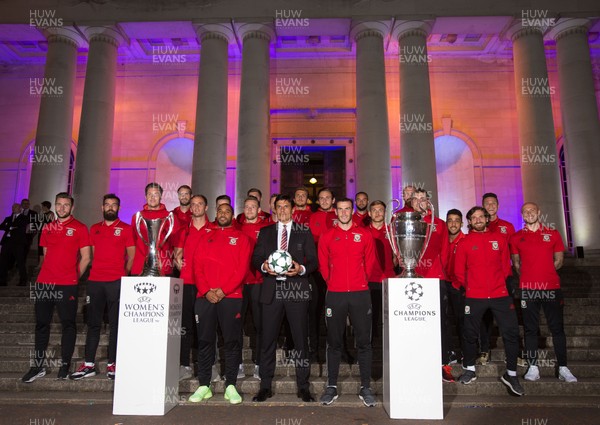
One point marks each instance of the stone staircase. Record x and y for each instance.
(581, 286)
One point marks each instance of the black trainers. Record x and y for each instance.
(63, 372)
(329, 396)
(467, 377)
(512, 382)
(33, 374)
(83, 372)
(367, 397)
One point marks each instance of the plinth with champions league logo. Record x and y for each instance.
(411, 326)
(147, 378)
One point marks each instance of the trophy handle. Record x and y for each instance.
(429, 231)
(138, 220)
(171, 220)
(390, 215)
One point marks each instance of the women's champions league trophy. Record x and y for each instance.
(152, 264)
(409, 236)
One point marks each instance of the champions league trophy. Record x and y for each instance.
(409, 236)
(152, 265)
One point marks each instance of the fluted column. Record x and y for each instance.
(416, 117)
(581, 128)
(52, 151)
(209, 174)
(540, 173)
(94, 149)
(253, 131)
(373, 172)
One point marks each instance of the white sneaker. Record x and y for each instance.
(241, 373)
(564, 374)
(185, 372)
(256, 372)
(215, 377)
(533, 374)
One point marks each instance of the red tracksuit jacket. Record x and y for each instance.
(482, 265)
(347, 258)
(221, 260)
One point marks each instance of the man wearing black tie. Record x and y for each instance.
(13, 244)
(287, 295)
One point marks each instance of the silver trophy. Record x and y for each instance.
(409, 236)
(152, 264)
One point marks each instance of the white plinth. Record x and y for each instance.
(412, 364)
(147, 373)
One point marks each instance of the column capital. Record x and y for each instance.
(108, 33)
(407, 28)
(256, 30)
(518, 30)
(368, 29)
(567, 26)
(221, 31)
(65, 34)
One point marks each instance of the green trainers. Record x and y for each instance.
(232, 395)
(202, 393)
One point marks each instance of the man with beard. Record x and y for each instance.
(481, 266)
(346, 259)
(301, 212)
(113, 250)
(221, 262)
(183, 212)
(287, 298)
(66, 246)
(153, 209)
(431, 266)
(407, 194)
(537, 252)
(251, 224)
(361, 216)
(184, 256)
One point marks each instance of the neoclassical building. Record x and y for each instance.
(458, 98)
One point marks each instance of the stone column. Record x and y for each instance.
(52, 151)
(94, 149)
(581, 129)
(209, 174)
(416, 117)
(253, 129)
(373, 171)
(540, 173)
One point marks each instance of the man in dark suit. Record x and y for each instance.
(13, 245)
(287, 295)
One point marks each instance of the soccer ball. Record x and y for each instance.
(414, 291)
(280, 261)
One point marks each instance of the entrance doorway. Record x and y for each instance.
(313, 164)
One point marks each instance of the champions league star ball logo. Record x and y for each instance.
(414, 291)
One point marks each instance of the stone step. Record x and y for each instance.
(573, 354)
(287, 385)
(290, 400)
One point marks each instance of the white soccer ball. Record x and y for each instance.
(280, 261)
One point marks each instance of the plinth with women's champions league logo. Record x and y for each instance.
(412, 372)
(147, 366)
